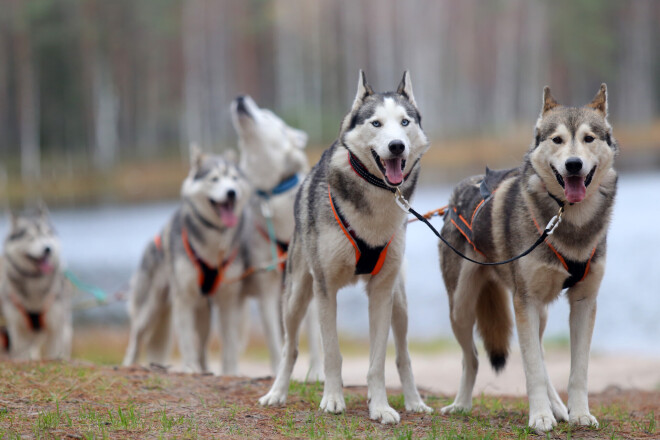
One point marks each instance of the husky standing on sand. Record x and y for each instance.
(497, 216)
(349, 228)
(35, 296)
(187, 262)
(273, 159)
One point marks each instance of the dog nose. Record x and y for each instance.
(573, 165)
(231, 195)
(47, 251)
(396, 147)
(240, 104)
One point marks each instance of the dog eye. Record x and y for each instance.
(375, 123)
(557, 139)
(588, 139)
(405, 122)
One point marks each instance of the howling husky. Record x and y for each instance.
(35, 296)
(348, 228)
(186, 264)
(567, 170)
(273, 159)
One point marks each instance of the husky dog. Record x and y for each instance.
(35, 296)
(568, 167)
(273, 159)
(349, 228)
(187, 262)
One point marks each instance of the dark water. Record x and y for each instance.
(103, 246)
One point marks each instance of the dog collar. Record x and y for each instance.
(362, 171)
(282, 187)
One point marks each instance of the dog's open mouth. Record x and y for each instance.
(392, 169)
(225, 211)
(575, 187)
(44, 263)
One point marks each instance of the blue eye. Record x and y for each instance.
(405, 122)
(375, 123)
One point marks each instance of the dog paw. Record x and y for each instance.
(273, 398)
(418, 407)
(585, 419)
(542, 423)
(333, 403)
(559, 410)
(456, 408)
(384, 414)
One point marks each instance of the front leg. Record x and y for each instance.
(381, 295)
(333, 392)
(528, 312)
(230, 314)
(189, 339)
(582, 299)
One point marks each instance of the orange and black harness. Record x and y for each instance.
(209, 277)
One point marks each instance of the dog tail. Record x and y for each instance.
(495, 323)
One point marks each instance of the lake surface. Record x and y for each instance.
(103, 245)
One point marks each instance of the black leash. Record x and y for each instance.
(549, 229)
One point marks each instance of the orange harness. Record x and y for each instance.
(368, 260)
(209, 277)
(33, 320)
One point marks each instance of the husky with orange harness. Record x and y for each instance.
(35, 296)
(187, 264)
(273, 159)
(349, 228)
(496, 216)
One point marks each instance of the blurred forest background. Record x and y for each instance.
(93, 90)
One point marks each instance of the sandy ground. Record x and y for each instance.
(440, 373)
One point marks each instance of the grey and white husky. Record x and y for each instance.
(35, 296)
(348, 228)
(188, 263)
(272, 157)
(499, 215)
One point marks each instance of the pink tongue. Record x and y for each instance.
(45, 267)
(574, 189)
(393, 170)
(227, 215)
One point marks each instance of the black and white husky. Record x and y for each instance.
(498, 216)
(35, 296)
(349, 228)
(188, 264)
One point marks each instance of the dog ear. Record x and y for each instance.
(196, 155)
(42, 210)
(363, 90)
(405, 88)
(298, 137)
(599, 103)
(548, 101)
(13, 219)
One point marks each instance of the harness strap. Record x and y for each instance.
(33, 320)
(282, 187)
(208, 277)
(578, 270)
(158, 241)
(368, 259)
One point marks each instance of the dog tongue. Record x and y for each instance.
(45, 266)
(226, 213)
(574, 189)
(393, 170)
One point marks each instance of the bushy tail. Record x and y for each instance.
(495, 323)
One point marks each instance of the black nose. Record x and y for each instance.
(240, 104)
(396, 147)
(47, 251)
(573, 165)
(231, 195)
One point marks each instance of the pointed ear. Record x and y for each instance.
(599, 103)
(230, 156)
(405, 88)
(548, 101)
(196, 156)
(42, 210)
(298, 137)
(363, 90)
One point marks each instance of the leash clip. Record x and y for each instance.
(401, 201)
(265, 209)
(554, 221)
